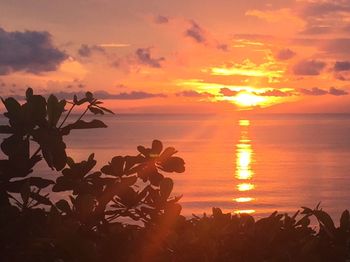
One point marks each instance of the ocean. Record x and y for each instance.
(249, 163)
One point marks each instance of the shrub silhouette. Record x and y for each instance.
(84, 224)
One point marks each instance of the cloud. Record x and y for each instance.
(285, 54)
(133, 95)
(316, 30)
(315, 91)
(28, 51)
(308, 67)
(193, 93)
(342, 66)
(196, 33)
(144, 56)
(320, 92)
(228, 92)
(324, 8)
(161, 19)
(337, 92)
(223, 47)
(337, 46)
(275, 92)
(323, 17)
(87, 51)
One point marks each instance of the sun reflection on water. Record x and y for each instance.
(244, 171)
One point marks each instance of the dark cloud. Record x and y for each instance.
(320, 92)
(342, 66)
(192, 93)
(337, 92)
(275, 92)
(320, 9)
(161, 19)
(313, 92)
(87, 51)
(223, 47)
(285, 54)
(317, 30)
(337, 46)
(28, 51)
(196, 33)
(323, 17)
(144, 56)
(133, 95)
(308, 67)
(228, 92)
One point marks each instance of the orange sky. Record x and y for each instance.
(181, 56)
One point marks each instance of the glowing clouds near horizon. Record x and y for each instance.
(244, 172)
(246, 99)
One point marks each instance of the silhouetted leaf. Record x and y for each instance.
(6, 130)
(144, 151)
(167, 153)
(44, 200)
(173, 164)
(55, 109)
(15, 186)
(25, 193)
(326, 221)
(29, 93)
(157, 147)
(166, 186)
(89, 96)
(63, 206)
(345, 221)
(96, 110)
(63, 184)
(155, 178)
(52, 147)
(13, 108)
(105, 109)
(306, 210)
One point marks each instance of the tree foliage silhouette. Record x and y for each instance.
(85, 214)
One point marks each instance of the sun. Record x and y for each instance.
(247, 100)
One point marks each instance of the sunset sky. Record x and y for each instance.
(278, 56)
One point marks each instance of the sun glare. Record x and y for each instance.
(246, 99)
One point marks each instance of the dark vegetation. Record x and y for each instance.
(90, 220)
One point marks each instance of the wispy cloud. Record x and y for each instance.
(228, 92)
(320, 92)
(196, 32)
(342, 66)
(285, 54)
(144, 56)
(87, 51)
(308, 67)
(193, 93)
(161, 19)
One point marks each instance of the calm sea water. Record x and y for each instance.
(254, 164)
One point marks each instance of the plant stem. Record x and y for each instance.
(69, 112)
(36, 152)
(87, 108)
